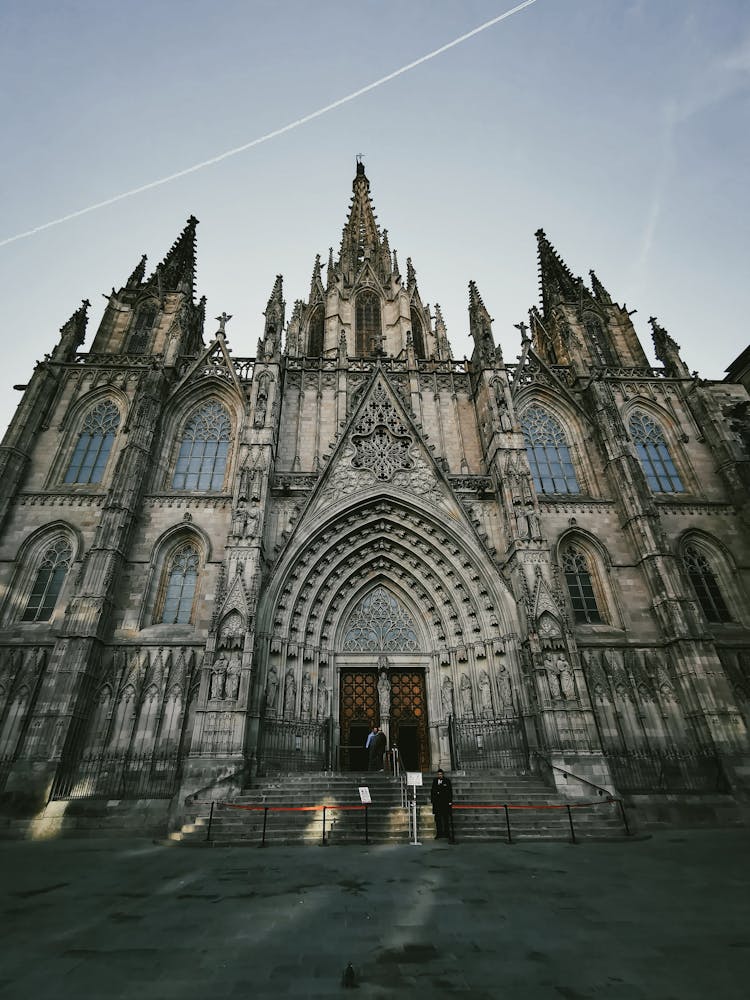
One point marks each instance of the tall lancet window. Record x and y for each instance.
(179, 586)
(380, 623)
(705, 585)
(656, 461)
(94, 444)
(417, 334)
(202, 461)
(316, 332)
(48, 581)
(548, 453)
(144, 324)
(369, 324)
(580, 586)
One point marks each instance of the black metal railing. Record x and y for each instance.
(488, 743)
(118, 776)
(666, 769)
(286, 745)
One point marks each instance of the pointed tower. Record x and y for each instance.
(270, 345)
(668, 351)
(72, 334)
(176, 273)
(480, 328)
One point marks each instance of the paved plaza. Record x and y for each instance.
(665, 917)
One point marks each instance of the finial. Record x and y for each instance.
(523, 328)
(223, 320)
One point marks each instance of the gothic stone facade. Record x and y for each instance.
(213, 566)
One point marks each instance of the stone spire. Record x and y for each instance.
(480, 327)
(331, 272)
(556, 282)
(274, 319)
(441, 334)
(668, 351)
(600, 292)
(316, 282)
(139, 273)
(72, 334)
(361, 238)
(176, 273)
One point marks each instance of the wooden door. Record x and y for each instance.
(359, 712)
(409, 718)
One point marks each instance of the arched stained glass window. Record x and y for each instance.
(417, 334)
(705, 585)
(48, 581)
(599, 346)
(94, 444)
(142, 327)
(179, 593)
(548, 453)
(369, 324)
(380, 623)
(316, 332)
(202, 461)
(651, 445)
(580, 586)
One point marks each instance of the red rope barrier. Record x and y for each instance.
(234, 805)
(509, 805)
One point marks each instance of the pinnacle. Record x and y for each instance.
(411, 275)
(555, 278)
(177, 270)
(475, 299)
(139, 272)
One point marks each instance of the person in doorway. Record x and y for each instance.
(370, 738)
(441, 796)
(377, 749)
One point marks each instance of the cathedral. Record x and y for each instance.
(216, 568)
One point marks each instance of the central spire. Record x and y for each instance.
(361, 240)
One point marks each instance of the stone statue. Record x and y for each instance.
(217, 677)
(306, 696)
(322, 699)
(485, 694)
(446, 696)
(239, 520)
(272, 686)
(502, 409)
(290, 694)
(384, 695)
(261, 405)
(532, 519)
(506, 691)
(232, 679)
(554, 680)
(522, 520)
(566, 679)
(467, 698)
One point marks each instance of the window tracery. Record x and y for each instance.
(89, 459)
(653, 452)
(316, 333)
(144, 323)
(548, 452)
(369, 339)
(705, 585)
(202, 460)
(48, 581)
(380, 623)
(180, 584)
(417, 334)
(580, 586)
(380, 439)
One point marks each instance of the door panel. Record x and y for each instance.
(409, 718)
(359, 712)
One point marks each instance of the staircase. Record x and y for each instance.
(387, 820)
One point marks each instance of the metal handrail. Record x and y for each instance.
(599, 788)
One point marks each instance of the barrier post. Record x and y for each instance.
(265, 818)
(570, 820)
(210, 821)
(367, 832)
(323, 841)
(507, 823)
(621, 804)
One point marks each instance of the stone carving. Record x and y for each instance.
(306, 707)
(551, 671)
(467, 698)
(384, 695)
(272, 686)
(446, 697)
(322, 699)
(380, 622)
(504, 685)
(566, 678)
(290, 694)
(485, 695)
(217, 677)
(232, 679)
(261, 403)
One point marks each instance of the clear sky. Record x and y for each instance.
(622, 127)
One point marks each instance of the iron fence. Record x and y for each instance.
(286, 745)
(667, 769)
(488, 743)
(118, 776)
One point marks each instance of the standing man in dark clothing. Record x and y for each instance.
(377, 749)
(441, 796)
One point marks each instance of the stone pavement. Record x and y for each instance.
(665, 917)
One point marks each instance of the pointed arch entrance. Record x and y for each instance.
(382, 680)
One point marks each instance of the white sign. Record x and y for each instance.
(364, 795)
(413, 777)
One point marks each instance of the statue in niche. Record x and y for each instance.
(218, 675)
(503, 683)
(232, 678)
(532, 519)
(552, 676)
(522, 520)
(384, 695)
(565, 678)
(467, 698)
(261, 404)
(290, 694)
(306, 708)
(239, 520)
(322, 699)
(446, 696)
(250, 481)
(485, 695)
(272, 686)
(502, 409)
